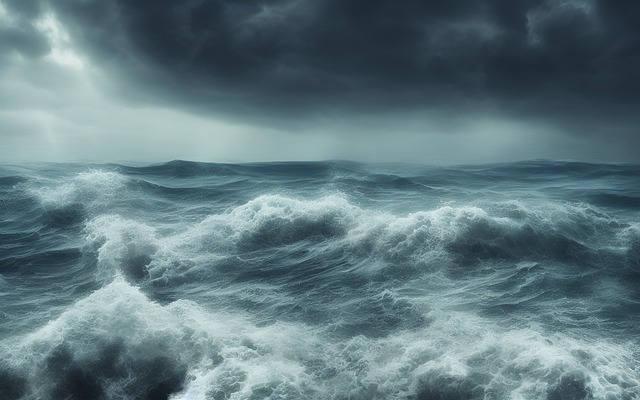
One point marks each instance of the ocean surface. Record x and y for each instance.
(322, 280)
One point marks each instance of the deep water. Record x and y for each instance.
(324, 280)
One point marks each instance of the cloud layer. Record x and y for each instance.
(308, 53)
(573, 64)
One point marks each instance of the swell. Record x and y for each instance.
(616, 200)
(189, 169)
(513, 261)
(320, 280)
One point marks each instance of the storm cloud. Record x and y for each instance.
(296, 53)
(574, 64)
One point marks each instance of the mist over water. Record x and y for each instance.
(324, 280)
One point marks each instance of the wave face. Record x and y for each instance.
(327, 280)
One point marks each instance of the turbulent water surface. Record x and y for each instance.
(328, 280)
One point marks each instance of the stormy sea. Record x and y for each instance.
(320, 280)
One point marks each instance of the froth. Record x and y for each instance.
(379, 292)
(93, 188)
(122, 246)
(117, 344)
(114, 343)
(274, 220)
(265, 222)
(445, 236)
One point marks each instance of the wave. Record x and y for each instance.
(190, 169)
(118, 344)
(513, 261)
(463, 235)
(91, 189)
(326, 280)
(608, 199)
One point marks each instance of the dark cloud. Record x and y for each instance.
(25, 41)
(563, 60)
(25, 8)
(19, 34)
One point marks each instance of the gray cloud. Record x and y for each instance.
(574, 64)
(18, 35)
(24, 41)
(287, 53)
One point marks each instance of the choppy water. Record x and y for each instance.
(328, 280)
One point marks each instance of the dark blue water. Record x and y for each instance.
(327, 280)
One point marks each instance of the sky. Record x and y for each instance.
(437, 82)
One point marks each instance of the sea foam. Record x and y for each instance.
(320, 281)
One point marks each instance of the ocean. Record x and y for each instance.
(320, 280)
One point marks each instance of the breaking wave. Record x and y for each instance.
(319, 280)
